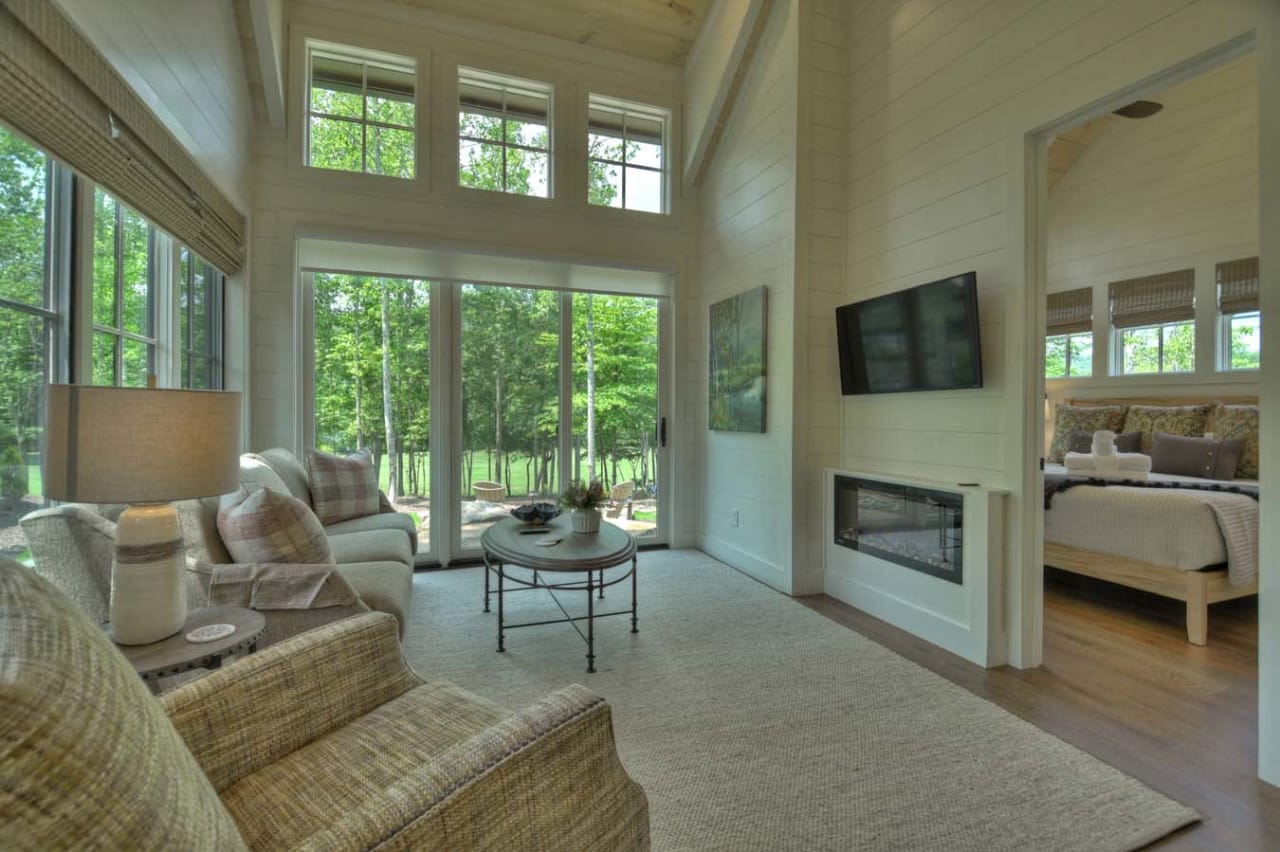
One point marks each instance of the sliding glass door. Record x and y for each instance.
(615, 405)
(372, 380)
(533, 388)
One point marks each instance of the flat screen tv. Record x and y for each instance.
(923, 338)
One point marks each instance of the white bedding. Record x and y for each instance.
(1179, 529)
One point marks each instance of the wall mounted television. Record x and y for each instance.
(922, 338)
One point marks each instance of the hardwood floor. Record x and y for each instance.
(1121, 682)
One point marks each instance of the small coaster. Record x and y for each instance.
(547, 542)
(211, 633)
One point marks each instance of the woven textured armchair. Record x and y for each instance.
(326, 741)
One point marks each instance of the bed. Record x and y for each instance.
(1195, 544)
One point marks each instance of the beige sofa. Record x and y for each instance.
(73, 544)
(324, 741)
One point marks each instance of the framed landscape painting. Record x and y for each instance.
(737, 362)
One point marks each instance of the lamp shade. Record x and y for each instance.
(136, 445)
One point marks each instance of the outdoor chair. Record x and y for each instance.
(620, 499)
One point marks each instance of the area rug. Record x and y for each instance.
(754, 723)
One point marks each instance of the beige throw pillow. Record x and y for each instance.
(261, 525)
(342, 487)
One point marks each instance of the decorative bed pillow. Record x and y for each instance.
(1087, 418)
(1210, 458)
(1240, 421)
(342, 487)
(261, 525)
(1081, 441)
(1186, 420)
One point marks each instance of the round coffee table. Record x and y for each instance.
(507, 542)
(175, 654)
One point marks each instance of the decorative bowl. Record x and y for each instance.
(536, 513)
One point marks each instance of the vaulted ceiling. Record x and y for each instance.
(662, 30)
(1067, 147)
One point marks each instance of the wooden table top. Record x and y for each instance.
(576, 551)
(175, 654)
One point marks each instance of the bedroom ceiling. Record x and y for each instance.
(661, 30)
(1067, 147)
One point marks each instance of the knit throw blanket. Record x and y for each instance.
(1234, 506)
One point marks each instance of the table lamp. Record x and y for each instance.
(145, 447)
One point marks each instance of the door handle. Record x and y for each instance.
(662, 431)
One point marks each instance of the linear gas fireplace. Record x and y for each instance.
(919, 528)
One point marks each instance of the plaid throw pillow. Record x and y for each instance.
(261, 525)
(342, 487)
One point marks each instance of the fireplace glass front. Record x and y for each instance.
(915, 527)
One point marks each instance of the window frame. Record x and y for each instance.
(215, 302)
(626, 109)
(156, 298)
(1068, 338)
(493, 79)
(365, 58)
(1118, 353)
(1225, 322)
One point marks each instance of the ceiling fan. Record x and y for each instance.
(1139, 109)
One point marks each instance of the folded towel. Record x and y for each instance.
(1123, 462)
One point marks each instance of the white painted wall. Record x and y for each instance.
(747, 239)
(941, 99)
(1175, 191)
(184, 60)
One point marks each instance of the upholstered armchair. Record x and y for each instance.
(327, 740)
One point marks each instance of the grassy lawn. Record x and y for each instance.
(481, 471)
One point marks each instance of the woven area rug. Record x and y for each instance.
(755, 723)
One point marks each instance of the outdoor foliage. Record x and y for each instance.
(1246, 341)
(1142, 348)
(1056, 350)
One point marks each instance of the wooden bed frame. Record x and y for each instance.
(1197, 588)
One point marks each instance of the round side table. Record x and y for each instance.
(175, 654)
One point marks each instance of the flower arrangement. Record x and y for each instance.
(580, 495)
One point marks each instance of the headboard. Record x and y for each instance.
(1171, 400)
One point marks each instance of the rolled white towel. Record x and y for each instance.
(1104, 443)
(1106, 463)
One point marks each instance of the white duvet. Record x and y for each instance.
(1180, 529)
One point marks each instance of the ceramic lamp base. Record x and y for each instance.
(148, 577)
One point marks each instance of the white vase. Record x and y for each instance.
(585, 520)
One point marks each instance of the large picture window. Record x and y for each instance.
(361, 113)
(504, 138)
(125, 272)
(200, 288)
(626, 155)
(31, 344)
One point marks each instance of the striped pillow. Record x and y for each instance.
(342, 487)
(261, 525)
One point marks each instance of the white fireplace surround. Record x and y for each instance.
(965, 618)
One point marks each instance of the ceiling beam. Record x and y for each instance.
(712, 73)
(267, 17)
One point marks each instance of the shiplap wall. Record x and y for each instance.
(184, 61)
(1178, 190)
(822, 194)
(942, 97)
(747, 239)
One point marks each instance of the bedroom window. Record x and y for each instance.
(1154, 321)
(1240, 322)
(1068, 344)
(1166, 348)
(504, 137)
(1068, 356)
(361, 112)
(626, 155)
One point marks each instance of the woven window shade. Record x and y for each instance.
(1154, 299)
(1238, 286)
(1070, 312)
(56, 89)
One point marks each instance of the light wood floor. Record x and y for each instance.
(1121, 682)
